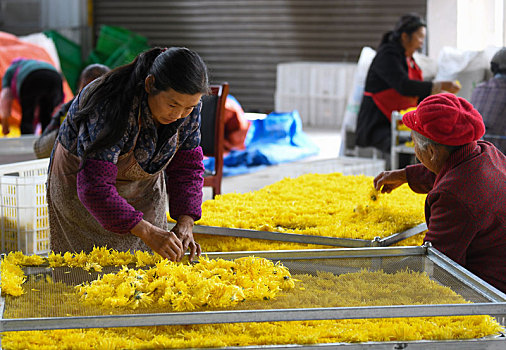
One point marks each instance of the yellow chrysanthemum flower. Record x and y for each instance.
(185, 287)
(329, 205)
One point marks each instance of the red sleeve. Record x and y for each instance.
(420, 179)
(185, 179)
(97, 191)
(451, 227)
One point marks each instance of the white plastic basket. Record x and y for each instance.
(317, 90)
(24, 220)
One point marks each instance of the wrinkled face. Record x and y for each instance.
(418, 152)
(424, 156)
(415, 42)
(170, 105)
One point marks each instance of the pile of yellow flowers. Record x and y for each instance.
(301, 290)
(13, 276)
(330, 205)
(214, 283)
(255, 334)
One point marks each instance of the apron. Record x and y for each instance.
(390, 100)
(73, 228)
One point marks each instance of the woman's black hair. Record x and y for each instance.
(176, 68)
(408, 23)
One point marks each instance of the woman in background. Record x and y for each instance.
(43, 146)
(394, 82)
(37, 86)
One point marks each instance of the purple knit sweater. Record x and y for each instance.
(96, 190)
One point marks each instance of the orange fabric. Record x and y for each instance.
(236, 126)
(390, 100)
(11, 48)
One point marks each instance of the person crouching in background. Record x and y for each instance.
(43, 146)
(36, 85)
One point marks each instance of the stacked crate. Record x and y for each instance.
(24, 221)
(318, 91)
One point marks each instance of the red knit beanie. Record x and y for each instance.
(446, 119)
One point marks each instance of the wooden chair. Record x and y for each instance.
(212, 130)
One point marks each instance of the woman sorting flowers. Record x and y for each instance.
(128, 149)
(465, 182)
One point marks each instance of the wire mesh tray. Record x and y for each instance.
(484, 299)
(310, 239)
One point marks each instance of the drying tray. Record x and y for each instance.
(484, 298)
(310, 239)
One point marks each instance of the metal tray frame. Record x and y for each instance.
(310, 239)
(496, 343)
(496, 306)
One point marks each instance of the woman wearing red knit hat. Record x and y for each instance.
(465, 182)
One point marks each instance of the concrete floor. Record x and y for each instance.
(17, 149)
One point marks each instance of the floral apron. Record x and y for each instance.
(73, 228)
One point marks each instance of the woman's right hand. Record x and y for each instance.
(387, 181)
(5, 108)
(162, 242)
(450, 86)
(5, 126)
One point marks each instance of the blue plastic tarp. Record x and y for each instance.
(276, 139)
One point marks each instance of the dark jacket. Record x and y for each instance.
(465, 209)
(388, 69)
(489, 98)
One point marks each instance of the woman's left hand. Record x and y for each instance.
(184, 231)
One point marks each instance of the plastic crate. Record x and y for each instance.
(69, 53)
(95, 57)
(318, 90)
(290, 102)
(24, 220)
(327, 111)
(293, 78)
(71, 72)
(123, 55)
(331, 80)
(111, 38)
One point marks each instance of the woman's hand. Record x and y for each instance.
(450, 86)
(184, 231)
(390, 180)
(165, 243)
(5, 125)
(5, 108)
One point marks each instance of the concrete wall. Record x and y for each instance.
(465, 24)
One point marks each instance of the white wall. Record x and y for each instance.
(441, 25)
(465, 24)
